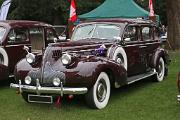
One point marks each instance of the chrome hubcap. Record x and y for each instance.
(160, 69)
(120, 59)
(101, 91)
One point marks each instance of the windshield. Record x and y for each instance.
(99, 31)
(2, 32)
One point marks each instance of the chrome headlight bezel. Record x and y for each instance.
(27, 80)
(56, 81)
(30, 58)
(66, 59)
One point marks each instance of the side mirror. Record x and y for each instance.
(117, 38)
(62, 38)
(12, 38)
(127, 39)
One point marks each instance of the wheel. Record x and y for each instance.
(25, 96)
(98, 96)
(3, 57)
(120, 57)
(160, 70)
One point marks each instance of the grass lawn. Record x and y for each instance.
(143, 100)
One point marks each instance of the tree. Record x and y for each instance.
(50, 11)
(173, 18)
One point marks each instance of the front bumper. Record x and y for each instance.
(178, 97)
(38, 89)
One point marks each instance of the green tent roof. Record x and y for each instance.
(116, 9)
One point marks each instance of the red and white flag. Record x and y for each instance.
(72, 16)
(151, 9)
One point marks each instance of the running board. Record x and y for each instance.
(140, 77)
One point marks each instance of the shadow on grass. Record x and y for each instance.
(79, 102)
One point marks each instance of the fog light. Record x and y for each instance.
(27, 80)
(56, 81)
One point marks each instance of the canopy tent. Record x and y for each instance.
(117, 9)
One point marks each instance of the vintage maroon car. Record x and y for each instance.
(178, 84)
(101, 54)
(14, 35)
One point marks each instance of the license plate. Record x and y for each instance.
(40, 99)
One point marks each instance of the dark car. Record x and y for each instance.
(14, 35)
(100, 54)
(178, 84)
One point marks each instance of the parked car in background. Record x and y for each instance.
(61, 31)
(100, 54)
(178, 84)
(14, 35)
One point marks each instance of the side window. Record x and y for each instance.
(147, 33)
(130, 33)
(50, 34)
(18, 35)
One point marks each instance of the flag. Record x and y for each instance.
(4, 9)
(72, 16)
(151, 9)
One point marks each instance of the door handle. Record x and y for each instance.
(142, 46)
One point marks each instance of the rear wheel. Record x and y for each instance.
(160, 69)
(98, 95)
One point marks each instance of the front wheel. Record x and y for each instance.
(160, 70)
(98, 95)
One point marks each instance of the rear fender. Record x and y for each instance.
(160, 52)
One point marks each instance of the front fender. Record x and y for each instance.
(21, 70)
(160, 52)
(87, 71)
(4, 72)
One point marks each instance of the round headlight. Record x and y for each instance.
(66, 59)
(27, 80)
(30, 58)
(56, 81)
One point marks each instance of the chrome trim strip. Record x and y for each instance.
(49, 90)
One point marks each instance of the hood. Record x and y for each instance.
(71, 46)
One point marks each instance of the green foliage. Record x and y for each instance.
(54, 12)
(57, 11)
(159, 8)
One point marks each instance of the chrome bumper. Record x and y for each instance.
(178, 97)
(48, 90)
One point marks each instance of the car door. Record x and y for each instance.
(131, 40)
(17, 38)
(149, 42)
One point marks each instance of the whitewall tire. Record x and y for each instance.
(3, 57)
(120, 57)
(98, 96)
(160, 70)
